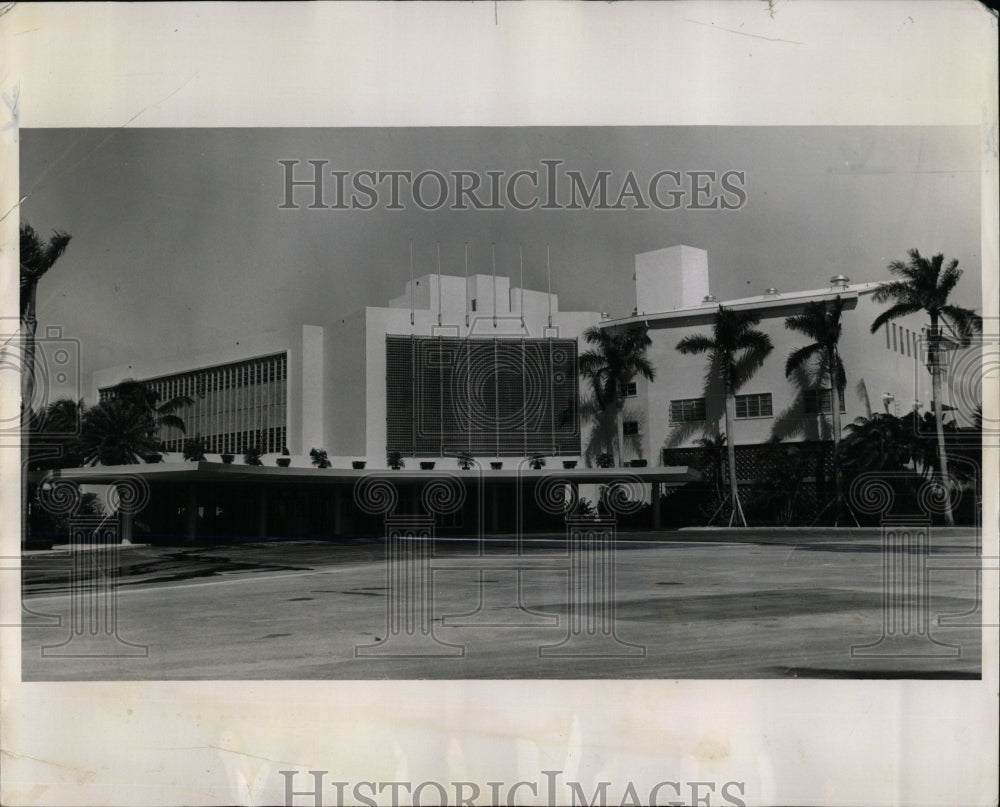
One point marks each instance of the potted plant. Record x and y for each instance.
(427, 466)
(154, 457)
(194, 449)
(465, 460)
(569, 464)
(252, 455)
(394, 460)
(285, 459)
(320, 458)
(227, 458)
(357, 465)
(637, 464)
(537, 461)
(606, 461)
(496, 466)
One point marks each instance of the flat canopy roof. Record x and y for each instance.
(221, 472)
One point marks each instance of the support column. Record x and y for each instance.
(654, 502)
(494, 508)
(125, 525)
(191, 513)
(338, 514)
(262, 513)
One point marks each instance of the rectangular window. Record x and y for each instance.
(753, 406)
(895, 345)
(887, 345)
(630, 427)
(820, 402)
(685, 410)
(473, 303)
(630, 390)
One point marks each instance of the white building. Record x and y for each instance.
(473, 364)
(885, 371)
(452, 365)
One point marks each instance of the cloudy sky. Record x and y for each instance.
(179, 244)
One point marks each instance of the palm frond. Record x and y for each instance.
(696, 343)
(799, 358)
(895, 312)
(948, 279)
(897, 290)
(963, 322)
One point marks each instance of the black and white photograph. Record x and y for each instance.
(389, 437)
(584, 412)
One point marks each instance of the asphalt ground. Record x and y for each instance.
(689, 604)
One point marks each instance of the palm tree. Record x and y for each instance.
(117, 432)
(713, 451)
(604, 429)
(736, 351)
(821, 323)
(146, 398)
(617, 358)
(37, 257)
(924, 284)
(881, 442)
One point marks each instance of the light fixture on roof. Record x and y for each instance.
(839, 281)
(709, 298)
(605, 315)
(771, 291)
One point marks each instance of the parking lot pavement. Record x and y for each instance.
(309, 610)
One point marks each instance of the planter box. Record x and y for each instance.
(357, 465)
(637, 464)
(284, 462)
(496, 466)
(569, 464)
(427, 466)
(227, 458)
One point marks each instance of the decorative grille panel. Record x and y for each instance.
(491, 397)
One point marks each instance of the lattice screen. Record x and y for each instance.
(491, 397)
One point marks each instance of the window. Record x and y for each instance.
(820, 401)
(895, 346)
(630, 390)
(753, 406)
(473, 303)
(685, 410)
(630, 427)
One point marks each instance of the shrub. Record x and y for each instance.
(319, 457)
(194, 449)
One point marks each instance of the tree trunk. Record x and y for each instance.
(835, 406)
(620, 433)
(28, 326)
(934, 360)
(734, 494)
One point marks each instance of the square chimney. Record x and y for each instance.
(670, 278)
